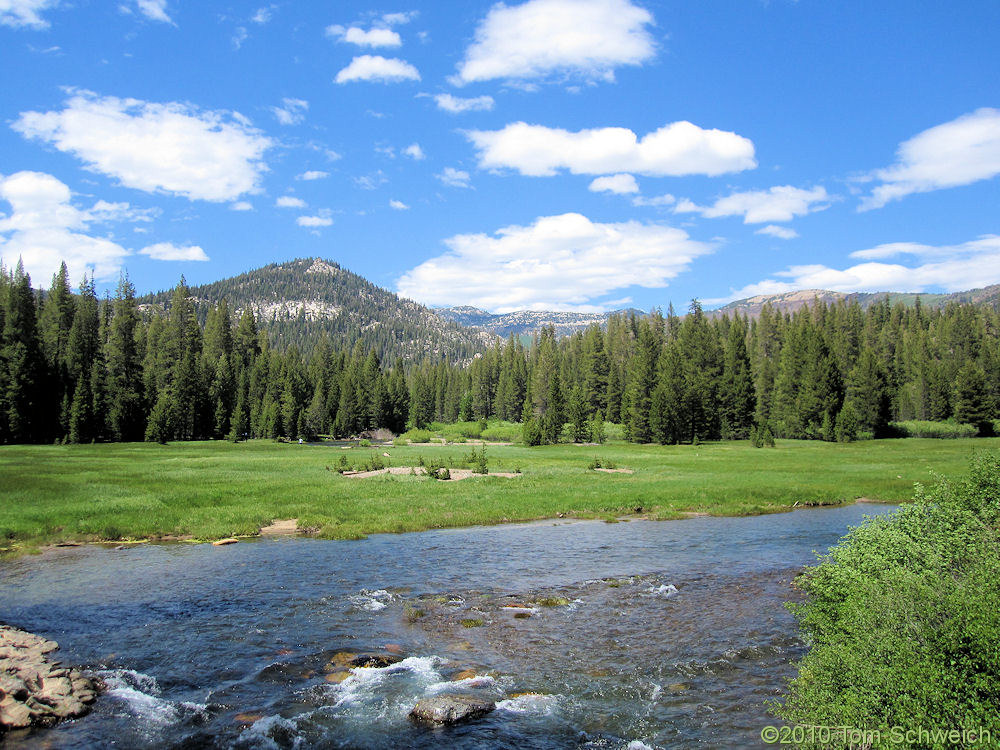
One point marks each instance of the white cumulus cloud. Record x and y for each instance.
(539, 38)
(779, 203)
(398, 205)
(457, 105)
(620, 184)
(156, 147)
(782, 233)
(291, 111)
(241, 206)
(415, 152)
(322, 219)
(25, 13)
(376, 37)
(378, 69)
(454, 177)
(557, 262)
(44, 228)
(313, 174)
(953, 268)
(170, 251)
(680, 148)
(955, 153)
(289, 201)
(154, 10)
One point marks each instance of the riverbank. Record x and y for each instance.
(211, 490)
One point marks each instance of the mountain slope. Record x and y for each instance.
(791, 301)
(299, 301)
(525, 322)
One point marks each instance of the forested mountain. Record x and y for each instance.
(303, 300)
(526, 322)
(792, 301)
(76, 369)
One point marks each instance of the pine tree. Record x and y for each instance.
(971, 398)
(126, 416)
(736, 392)
(868, 395)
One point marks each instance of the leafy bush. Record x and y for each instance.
(400, 442)
(417, 436)
(501, 431)
(903, 618)
(365, 443)
(923, 429)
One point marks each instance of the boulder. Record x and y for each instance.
(34, 690)
(451, 709)
(375, 660)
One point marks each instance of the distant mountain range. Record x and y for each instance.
(302, 300)
(526, 322)
(791, 301)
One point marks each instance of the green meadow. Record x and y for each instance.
(208, 490)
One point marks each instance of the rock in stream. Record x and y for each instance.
(34, 690)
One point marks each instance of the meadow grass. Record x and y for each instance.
(207, 490)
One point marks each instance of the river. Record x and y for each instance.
(587, 634)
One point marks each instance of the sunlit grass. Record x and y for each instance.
(215, 489)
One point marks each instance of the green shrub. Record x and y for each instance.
(903, 618)
(761, 436)
(923, 429)
(417, 436)
(400, 441)
(501, 431)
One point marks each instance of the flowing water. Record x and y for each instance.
(586, 634)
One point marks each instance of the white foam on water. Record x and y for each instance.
(532, 703)
(666, 591)
(657, 689)
(478, 681)
(140, 692)
(638, 745)
(260, 732)
(365, 681)
(372, 601)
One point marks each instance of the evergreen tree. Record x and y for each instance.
(971, 398)
(126, 415)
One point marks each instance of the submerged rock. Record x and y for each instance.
(451, 709)
(379, 661)
(34, 690)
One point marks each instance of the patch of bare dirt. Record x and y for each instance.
(456, 474)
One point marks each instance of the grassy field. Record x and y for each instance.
(208, 490)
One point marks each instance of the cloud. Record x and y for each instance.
(953, 268)
(263, 15)
(557, 262)
(415, 152)
(399, 205)
(322, 219)
(25, 13)
(457, 105)
(620, 184)
(398, 19)
(170, 251)
(292, 111)
(376, 37)
(44, 229)
(677, 149)
(379, 69)
(782, 233)
(657, 201)
(154, 10)
(454, 177)
(779, 203)
(241, 206)
(289, 201)
(172, 147)
(539, 38)
(959, 152)
(312, 174)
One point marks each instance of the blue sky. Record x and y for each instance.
(549, 154)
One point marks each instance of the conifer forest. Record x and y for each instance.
(76, 369)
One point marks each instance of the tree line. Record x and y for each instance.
(75, 368)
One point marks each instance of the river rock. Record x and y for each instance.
(451, 709)
(34, 690)
(379, 661)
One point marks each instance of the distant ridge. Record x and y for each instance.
(527, 322)
(791, 301)
(302, 300)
